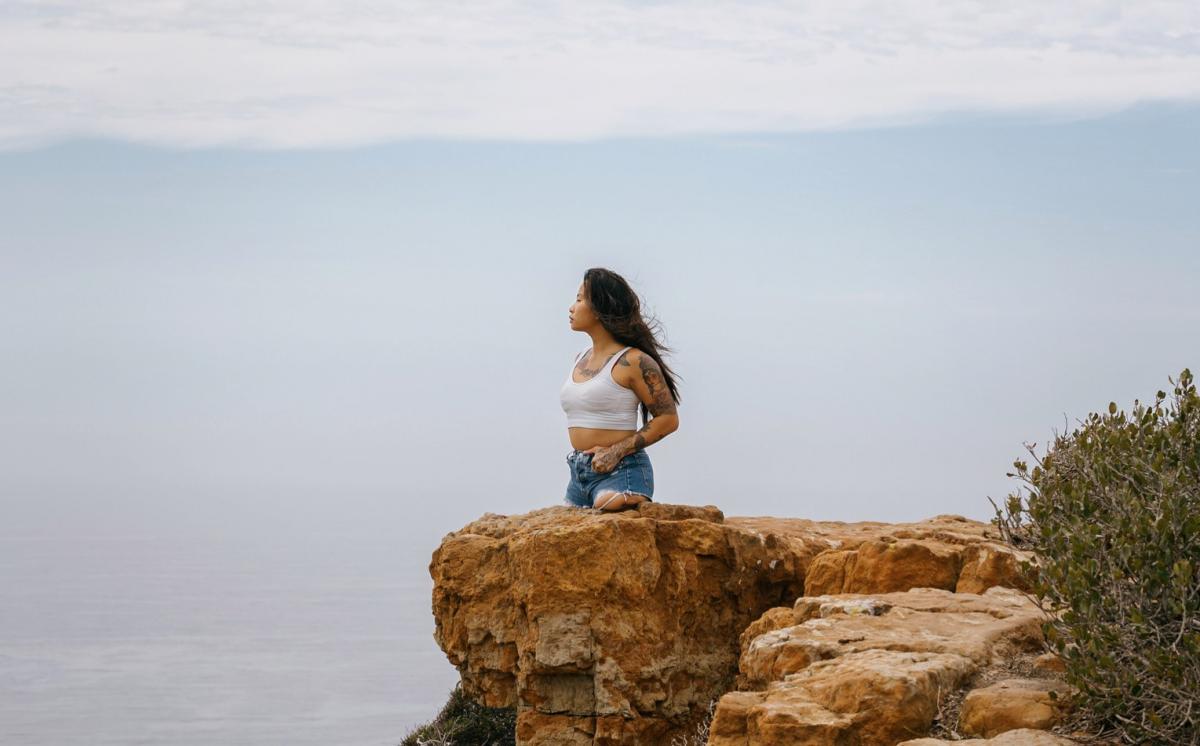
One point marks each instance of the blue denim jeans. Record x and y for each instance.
(631, 474)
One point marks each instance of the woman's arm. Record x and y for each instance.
(648, 384)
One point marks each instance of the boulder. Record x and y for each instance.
(990, 564)
(620, 628)
(870, 669)
(606, 628)
(885, 565)
(1022, 737)
(1013, 704)
(773, 619)
(894, 564)
(1049, 663)
(922, 620)
(866, 697)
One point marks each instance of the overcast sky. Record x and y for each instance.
(283, 73)
(325, 251)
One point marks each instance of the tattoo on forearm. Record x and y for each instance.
(640, 439)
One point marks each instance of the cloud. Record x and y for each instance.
(319, 73)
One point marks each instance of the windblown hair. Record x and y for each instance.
(620, 312)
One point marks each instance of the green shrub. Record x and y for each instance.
(1112, 515)
(464, 722)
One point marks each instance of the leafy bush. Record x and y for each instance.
(1112, 515)
(464, 722)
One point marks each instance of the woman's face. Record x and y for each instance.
(580, 312)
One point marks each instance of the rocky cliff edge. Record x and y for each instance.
(625, 628)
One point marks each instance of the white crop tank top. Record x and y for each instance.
(599, 402)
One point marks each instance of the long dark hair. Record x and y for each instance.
(620, 312)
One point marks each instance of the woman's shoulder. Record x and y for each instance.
(628, 364)
(634, 356)
(630, 357)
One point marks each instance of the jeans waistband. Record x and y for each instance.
(576, 452)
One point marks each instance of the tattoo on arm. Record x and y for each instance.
(662, 401)
(638, 440)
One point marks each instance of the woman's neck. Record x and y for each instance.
(603, 343)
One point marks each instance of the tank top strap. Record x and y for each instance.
(613, 360)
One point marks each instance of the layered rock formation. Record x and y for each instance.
(855, 669)
(605, 628)
(1022, 737)
(622, 628)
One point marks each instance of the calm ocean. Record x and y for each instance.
(216, 621)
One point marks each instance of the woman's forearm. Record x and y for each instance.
(653, 431)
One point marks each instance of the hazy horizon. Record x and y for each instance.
(867, 324)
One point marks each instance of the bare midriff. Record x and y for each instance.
(583, 438)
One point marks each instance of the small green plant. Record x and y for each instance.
(464, 722)
(1111, 512)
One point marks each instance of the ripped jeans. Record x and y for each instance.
(631, 474)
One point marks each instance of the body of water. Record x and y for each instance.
(231, 621)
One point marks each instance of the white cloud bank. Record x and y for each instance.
(303, 73)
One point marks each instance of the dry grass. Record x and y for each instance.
(945, 724)
(698, 736)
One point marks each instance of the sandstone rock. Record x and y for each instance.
(1024, 737)
(868, 697)
(986, 564)
(1049, 663)
(892, 564)
(950, 529)
(947, 551)
(536, 729)
(605, 628)
(1011, 705)
(617, 628)
(773, 619)
(885, 565)
(825, 606)
(861, 669)
(924, 620)
(669, 512)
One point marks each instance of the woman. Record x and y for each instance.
(621, 373)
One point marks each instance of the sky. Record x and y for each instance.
(284, 292)
(254, 255)
(288, 74)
